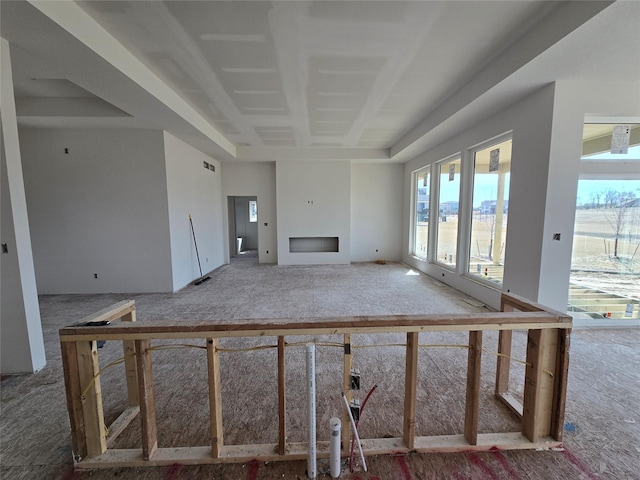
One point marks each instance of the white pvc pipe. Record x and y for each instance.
(311, 411)
(334, 447)
(355, 432)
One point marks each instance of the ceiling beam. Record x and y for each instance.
(256, 154)
(566, 18)
(74, 20)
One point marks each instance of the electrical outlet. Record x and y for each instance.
(354, 406)
(355, 379)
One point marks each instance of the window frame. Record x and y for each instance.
(436, 231)
(464, 267)
(414, 211)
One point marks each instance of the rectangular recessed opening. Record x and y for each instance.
(313, 244)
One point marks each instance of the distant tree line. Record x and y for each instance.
(612, 199)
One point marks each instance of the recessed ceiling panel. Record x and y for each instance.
(361, 73)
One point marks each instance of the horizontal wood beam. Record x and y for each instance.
(120, 423)
(111, 313)
(511, 403)
(298, 451)
(278, 327)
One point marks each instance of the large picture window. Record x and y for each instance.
(421, 232)
(492, 167)
(605, 263)
(448, 207)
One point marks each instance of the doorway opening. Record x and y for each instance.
(243, 228)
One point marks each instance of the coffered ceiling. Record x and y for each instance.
(370, 80)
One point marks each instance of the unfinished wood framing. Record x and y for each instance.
(147, 401)
(91, 397)
(542, 412)
(473, 388)
(410, 384)
(129, 348)
(74, 399)
(215, 396)
(282, 400)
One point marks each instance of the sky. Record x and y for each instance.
(485, 188)
(587, 188)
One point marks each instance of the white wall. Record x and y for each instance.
(22, 343)
(101, 208)
(314, 200)
(376, 212)
(257, 179)
(22, 348)
(196, 191)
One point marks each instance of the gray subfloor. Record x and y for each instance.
(602, 434)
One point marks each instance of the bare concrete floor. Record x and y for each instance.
(602, 431)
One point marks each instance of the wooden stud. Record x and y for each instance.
(504, 362)
(282, 401)
(74, 401)
(560, 384)
(346, 387)
(504, 348)
(91, 397)
(147, 401)
(130, 368)
(473, 387)
(215, 397)
(539, 384)
(410, 389)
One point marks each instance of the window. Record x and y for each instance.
(421, 232)
(605, 263)
(253, 211)
(492, 166)
(448, 205)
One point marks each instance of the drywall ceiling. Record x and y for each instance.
(374, 81)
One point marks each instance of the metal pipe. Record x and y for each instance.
(334, 447)
(311, 411)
